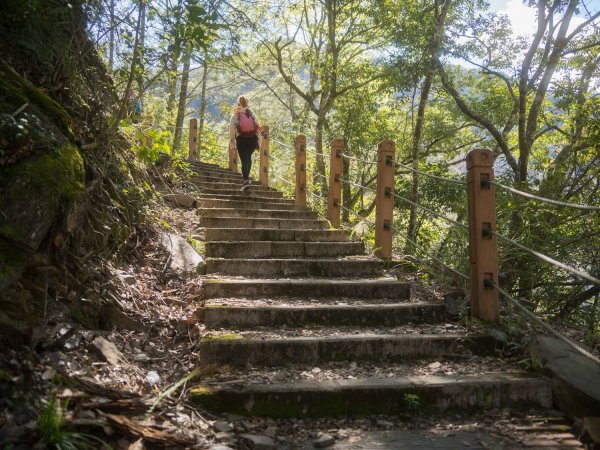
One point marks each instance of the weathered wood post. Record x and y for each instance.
(232, 159)
(193, 140)
(300, 147)
(483, 256)
(263, 174)
(336, 169)
(384, 199)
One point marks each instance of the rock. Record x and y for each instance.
(224, 437)
(500, 336)
(107, 350)
(575, 386)
(324, 440)
(219, 447)
(111, 317)
(435, 365)
(152, 377)
(181, 254)
(221, 425)
(126, 278)
(137, 445)
(258, 442)
(590, 431)
(455, 303)
(187, 201)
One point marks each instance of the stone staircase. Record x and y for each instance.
(300, 322)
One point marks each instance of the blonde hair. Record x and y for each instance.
(241, 101)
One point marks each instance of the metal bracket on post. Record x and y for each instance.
(483, 255)
(193, 140)
(264, 158)
(384, 200)
(336, 168)
(300, 147)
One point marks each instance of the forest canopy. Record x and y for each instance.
(437, 77)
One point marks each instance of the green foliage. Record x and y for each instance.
(51, 424)
(411, 402)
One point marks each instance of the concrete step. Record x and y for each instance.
(202, 164)
(237, 351)
(248, 234)
(216, 178)
(247, 222)
(272, 249)
(236, 191)
(385, 315)
(271, 204)
(257, 213)
(260, 288)
(394, 396)
(247, 196)
(317, 267)
(223, 185)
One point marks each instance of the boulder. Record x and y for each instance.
(575, 386)
(182, 255)
(184, 200)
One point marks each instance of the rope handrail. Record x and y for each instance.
(315, 194)
(544, 325)
(357, 215)
(359, 159)
(545, 200)
(281, 143)
(430, 211)
(284, 180)
(435, 258)
(572, 270)
(357, 185)
(436, 177)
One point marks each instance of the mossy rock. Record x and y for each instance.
(33, 192)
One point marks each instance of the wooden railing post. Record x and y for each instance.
(193, 140)
(483, 256)
(232, 159)
(336, 169)
(300, 147)
(384, 200)
(263, 174)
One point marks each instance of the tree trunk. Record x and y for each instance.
(319, 178)
(202, 114)
(436, 43)
(173, 62)
(140, 77)
(111, 42)
(185, 76)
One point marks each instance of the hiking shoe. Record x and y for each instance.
(246, 185)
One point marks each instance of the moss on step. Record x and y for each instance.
(221, 338)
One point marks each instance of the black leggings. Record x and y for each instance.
(245, 148)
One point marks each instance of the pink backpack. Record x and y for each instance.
(247, 124)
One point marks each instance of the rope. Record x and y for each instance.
(435, 258)
(449, 180)
(543, 199)
(357, 215)
(441, 216)
(577, 272)
(358, 159)
(284, 180)
(282, 144)
(547, 327)
(316, 195)
(360, 186)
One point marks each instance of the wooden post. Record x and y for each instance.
(263, 174)
(336, 169)
(483, 256)
(193, 140)
(233, 159)
(384, 200)
(300, 146)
